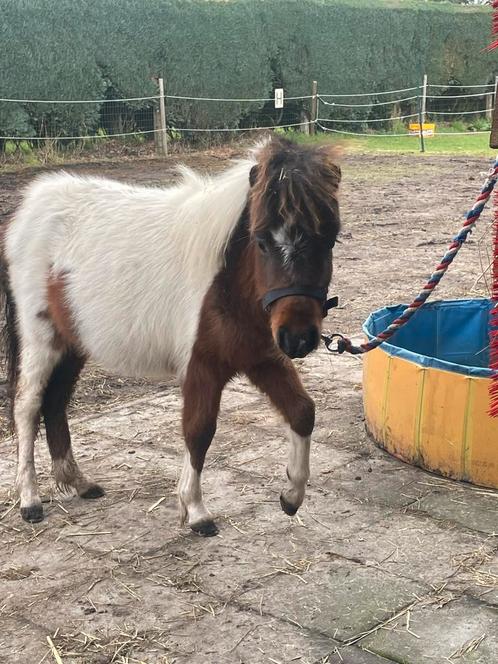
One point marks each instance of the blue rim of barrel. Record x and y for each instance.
(452, 335)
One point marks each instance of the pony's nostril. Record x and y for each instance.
(283, 338)
(313, 337)
(303, 348)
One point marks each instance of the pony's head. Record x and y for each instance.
(294, 222)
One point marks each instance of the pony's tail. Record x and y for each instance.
(9, 339)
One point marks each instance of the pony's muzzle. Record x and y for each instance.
(297, 344)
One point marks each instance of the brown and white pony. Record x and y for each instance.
(213, 277)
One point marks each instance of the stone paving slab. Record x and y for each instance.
(337, 597)
(377, 480)
(436, 633)
(470, 507)
(416, 547)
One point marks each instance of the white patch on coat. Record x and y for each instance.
(192, 509)
(38, 359)
(298, 468)
(286, 244)
(138, 261)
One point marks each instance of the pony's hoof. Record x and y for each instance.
(289, 509)
(32, 514)
(205, 528)
(93, 491)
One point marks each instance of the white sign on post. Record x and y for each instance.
(279, 97)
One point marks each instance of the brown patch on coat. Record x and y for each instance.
(235, 337)
(59, 312)
(297, 187)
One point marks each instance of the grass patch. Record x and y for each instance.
(441, 143)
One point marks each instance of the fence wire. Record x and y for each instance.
(138, 117)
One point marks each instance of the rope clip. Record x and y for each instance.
(342, 343)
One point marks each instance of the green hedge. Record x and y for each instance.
(61, 49)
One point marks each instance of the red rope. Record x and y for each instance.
(493, 318)
(493, 322)
(495, 24)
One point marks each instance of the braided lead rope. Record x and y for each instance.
(345, 344)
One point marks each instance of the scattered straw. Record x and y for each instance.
(156, 504)
(54, 650)
(468, 647)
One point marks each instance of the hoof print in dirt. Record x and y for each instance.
(94, 491)
(205, 528)
(33, 514)
(289, 509)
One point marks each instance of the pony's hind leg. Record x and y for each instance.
(37, 361)
(279, 380)
(56, 398)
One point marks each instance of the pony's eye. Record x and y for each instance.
(263, 247)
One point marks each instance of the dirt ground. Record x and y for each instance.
(384, 562)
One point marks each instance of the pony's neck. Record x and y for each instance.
(237, 276)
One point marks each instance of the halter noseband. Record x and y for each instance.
(319, 294)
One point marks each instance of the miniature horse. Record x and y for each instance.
(207, 279)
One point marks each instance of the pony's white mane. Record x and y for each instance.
(216, 204)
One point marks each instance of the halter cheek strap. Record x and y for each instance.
(319, 294)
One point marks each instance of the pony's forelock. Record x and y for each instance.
(298, 184)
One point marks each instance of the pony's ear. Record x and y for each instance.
(333, 155)
(253, 174)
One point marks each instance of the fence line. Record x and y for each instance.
(474, 94)
(367, 120)
(77, 101)
(321, 96)
(362, 135)
(209, 129)
(481, 85)
(152, 131)
(372, 94)
(117, 122)
(231, 99)
(355, 133)
(155, 97)
(377, 103)
(482, 111)
(87, 137)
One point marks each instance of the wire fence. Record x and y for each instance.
(169, 118)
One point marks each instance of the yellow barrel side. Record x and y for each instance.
(442, 422)
(432, 418)
(482, 437)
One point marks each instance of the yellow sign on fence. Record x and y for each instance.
(428, 130)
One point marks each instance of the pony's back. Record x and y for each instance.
(132, 264)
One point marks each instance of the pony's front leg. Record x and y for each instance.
(279, 380)
(201, 393)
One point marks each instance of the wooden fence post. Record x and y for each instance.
(424, 98)
(421, 126)
(158, 139)
(162, 118)
(314, 107)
